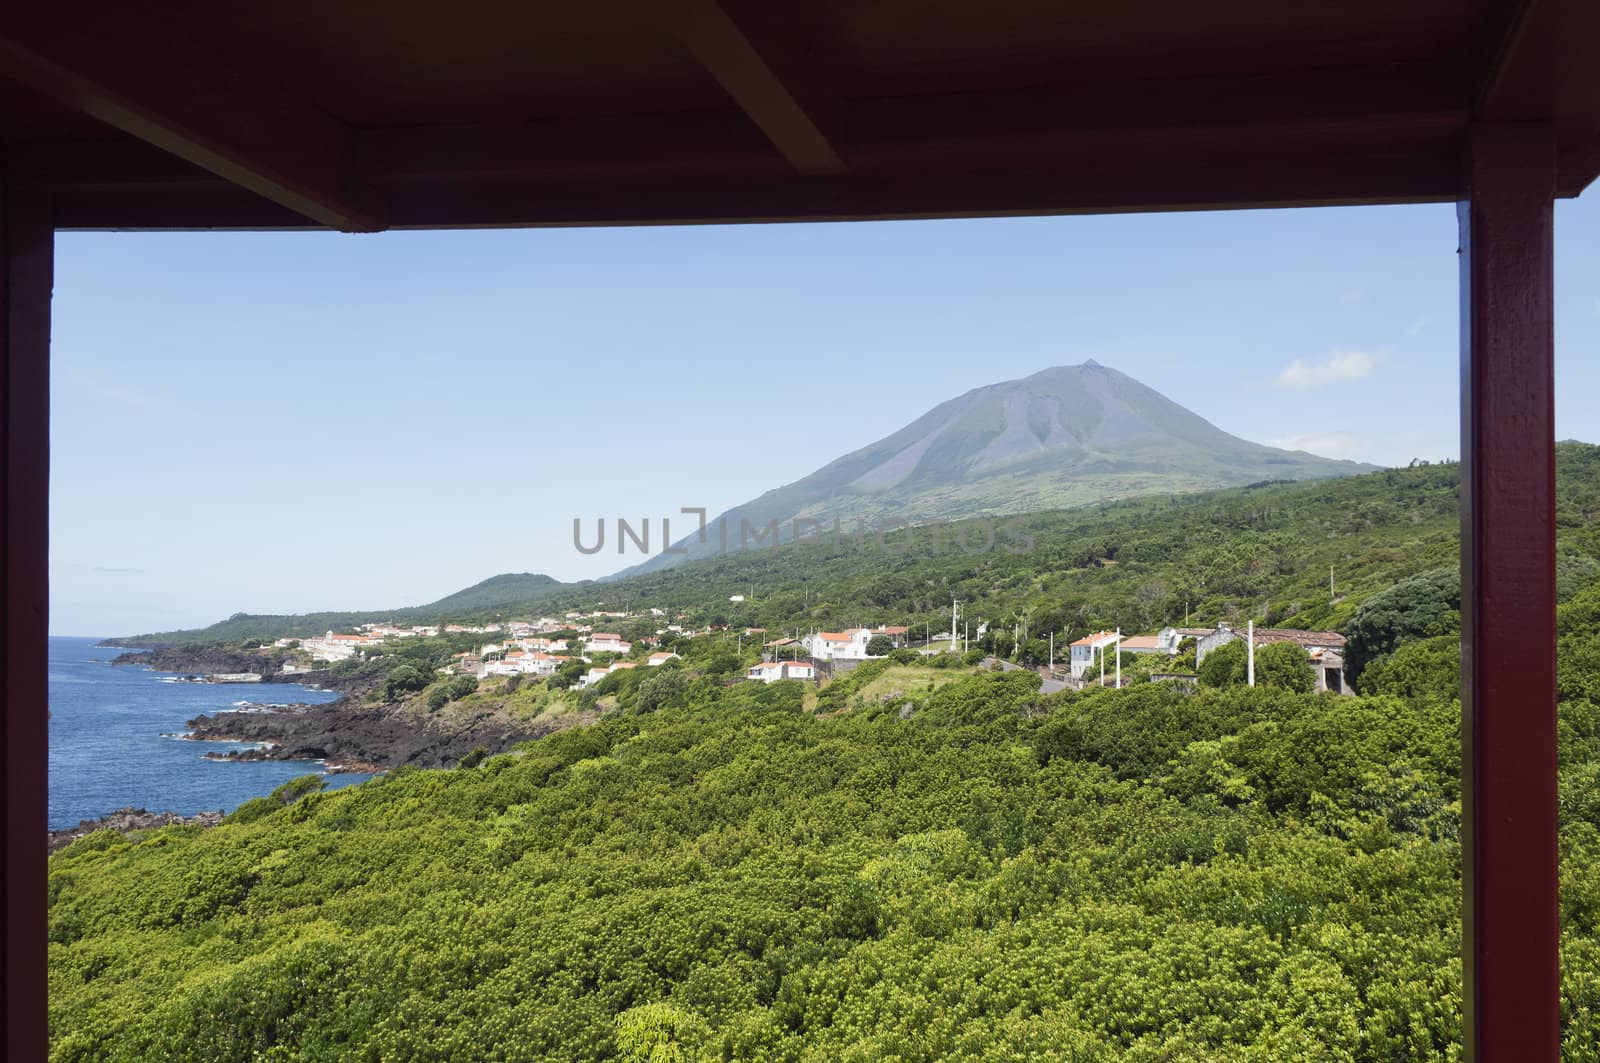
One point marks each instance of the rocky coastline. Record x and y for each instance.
(204, 662)
(351, 734)
(125, 820)
(351, 737)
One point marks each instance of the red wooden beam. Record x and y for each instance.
(26, 270)
(1510, 924)
(197, 110)
(786, 112)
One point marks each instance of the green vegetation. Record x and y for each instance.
(970, 871)
(1067, 436)
(923, 860)
(1264, 551)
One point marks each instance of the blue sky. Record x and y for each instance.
(291, 422)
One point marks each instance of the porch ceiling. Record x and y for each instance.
(290, 113)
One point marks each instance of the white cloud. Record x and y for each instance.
(1377, 448)
(1338, 368)
(1347, 445)
(97, 384)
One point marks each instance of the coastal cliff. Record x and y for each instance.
(354, 733)
(356, 737)
(204, 661)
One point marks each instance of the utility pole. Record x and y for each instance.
(955, 611)
(1119, 658)
(1052, 661)
(1250, 653)
(1102, 648)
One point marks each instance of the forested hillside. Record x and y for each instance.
(1070, 435)
(1263, 551)
(969, 872)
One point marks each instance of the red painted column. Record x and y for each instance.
(1510, 946)
(27, 245)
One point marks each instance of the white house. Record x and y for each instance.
(1165, 641)
(1324, 648)
(772, 671)
(605, 642)
(1084, 650)
(657, 659)
(331, 647)
(594, 675)
(849, 645)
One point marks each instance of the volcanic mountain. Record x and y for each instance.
(1065, 436)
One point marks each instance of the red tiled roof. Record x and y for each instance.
(1302, 638)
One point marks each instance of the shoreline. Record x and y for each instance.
(349, 733)
(127, 820)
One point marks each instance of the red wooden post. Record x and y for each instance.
(1510, 925)
(27, 245)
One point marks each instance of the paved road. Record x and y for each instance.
(1049, 686)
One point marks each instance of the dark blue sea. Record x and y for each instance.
(110, 746)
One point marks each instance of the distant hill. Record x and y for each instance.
(1067, 436)
(508, 591)
(1262, 550)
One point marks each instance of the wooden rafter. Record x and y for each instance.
(788, 115)
(294, 156)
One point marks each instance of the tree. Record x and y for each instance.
(880, 646)
(1428, 668)
(438, 698)
(402, 680)
(1286, 666)
(665, 687)
(568, 674)
(1420, 607)
(1034, 652)
(1226, 665)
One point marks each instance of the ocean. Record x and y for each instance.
(111, 744)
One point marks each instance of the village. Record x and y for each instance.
(543, 647)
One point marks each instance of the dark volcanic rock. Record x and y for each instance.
(201, 661)
(360, 737)
(346, 733)
(124, 820)
(207, 660)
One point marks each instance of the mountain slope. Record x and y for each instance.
(1063, 437)
(508, 591)
(1133, 563)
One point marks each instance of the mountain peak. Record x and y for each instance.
(1063, 436)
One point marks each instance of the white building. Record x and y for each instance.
(658, 659)
(1324, 648)
(605, 642)
(1084, 650)
(1165, 641)
(331, 647)
(594, 675)
(772, 671)
(838, 645)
